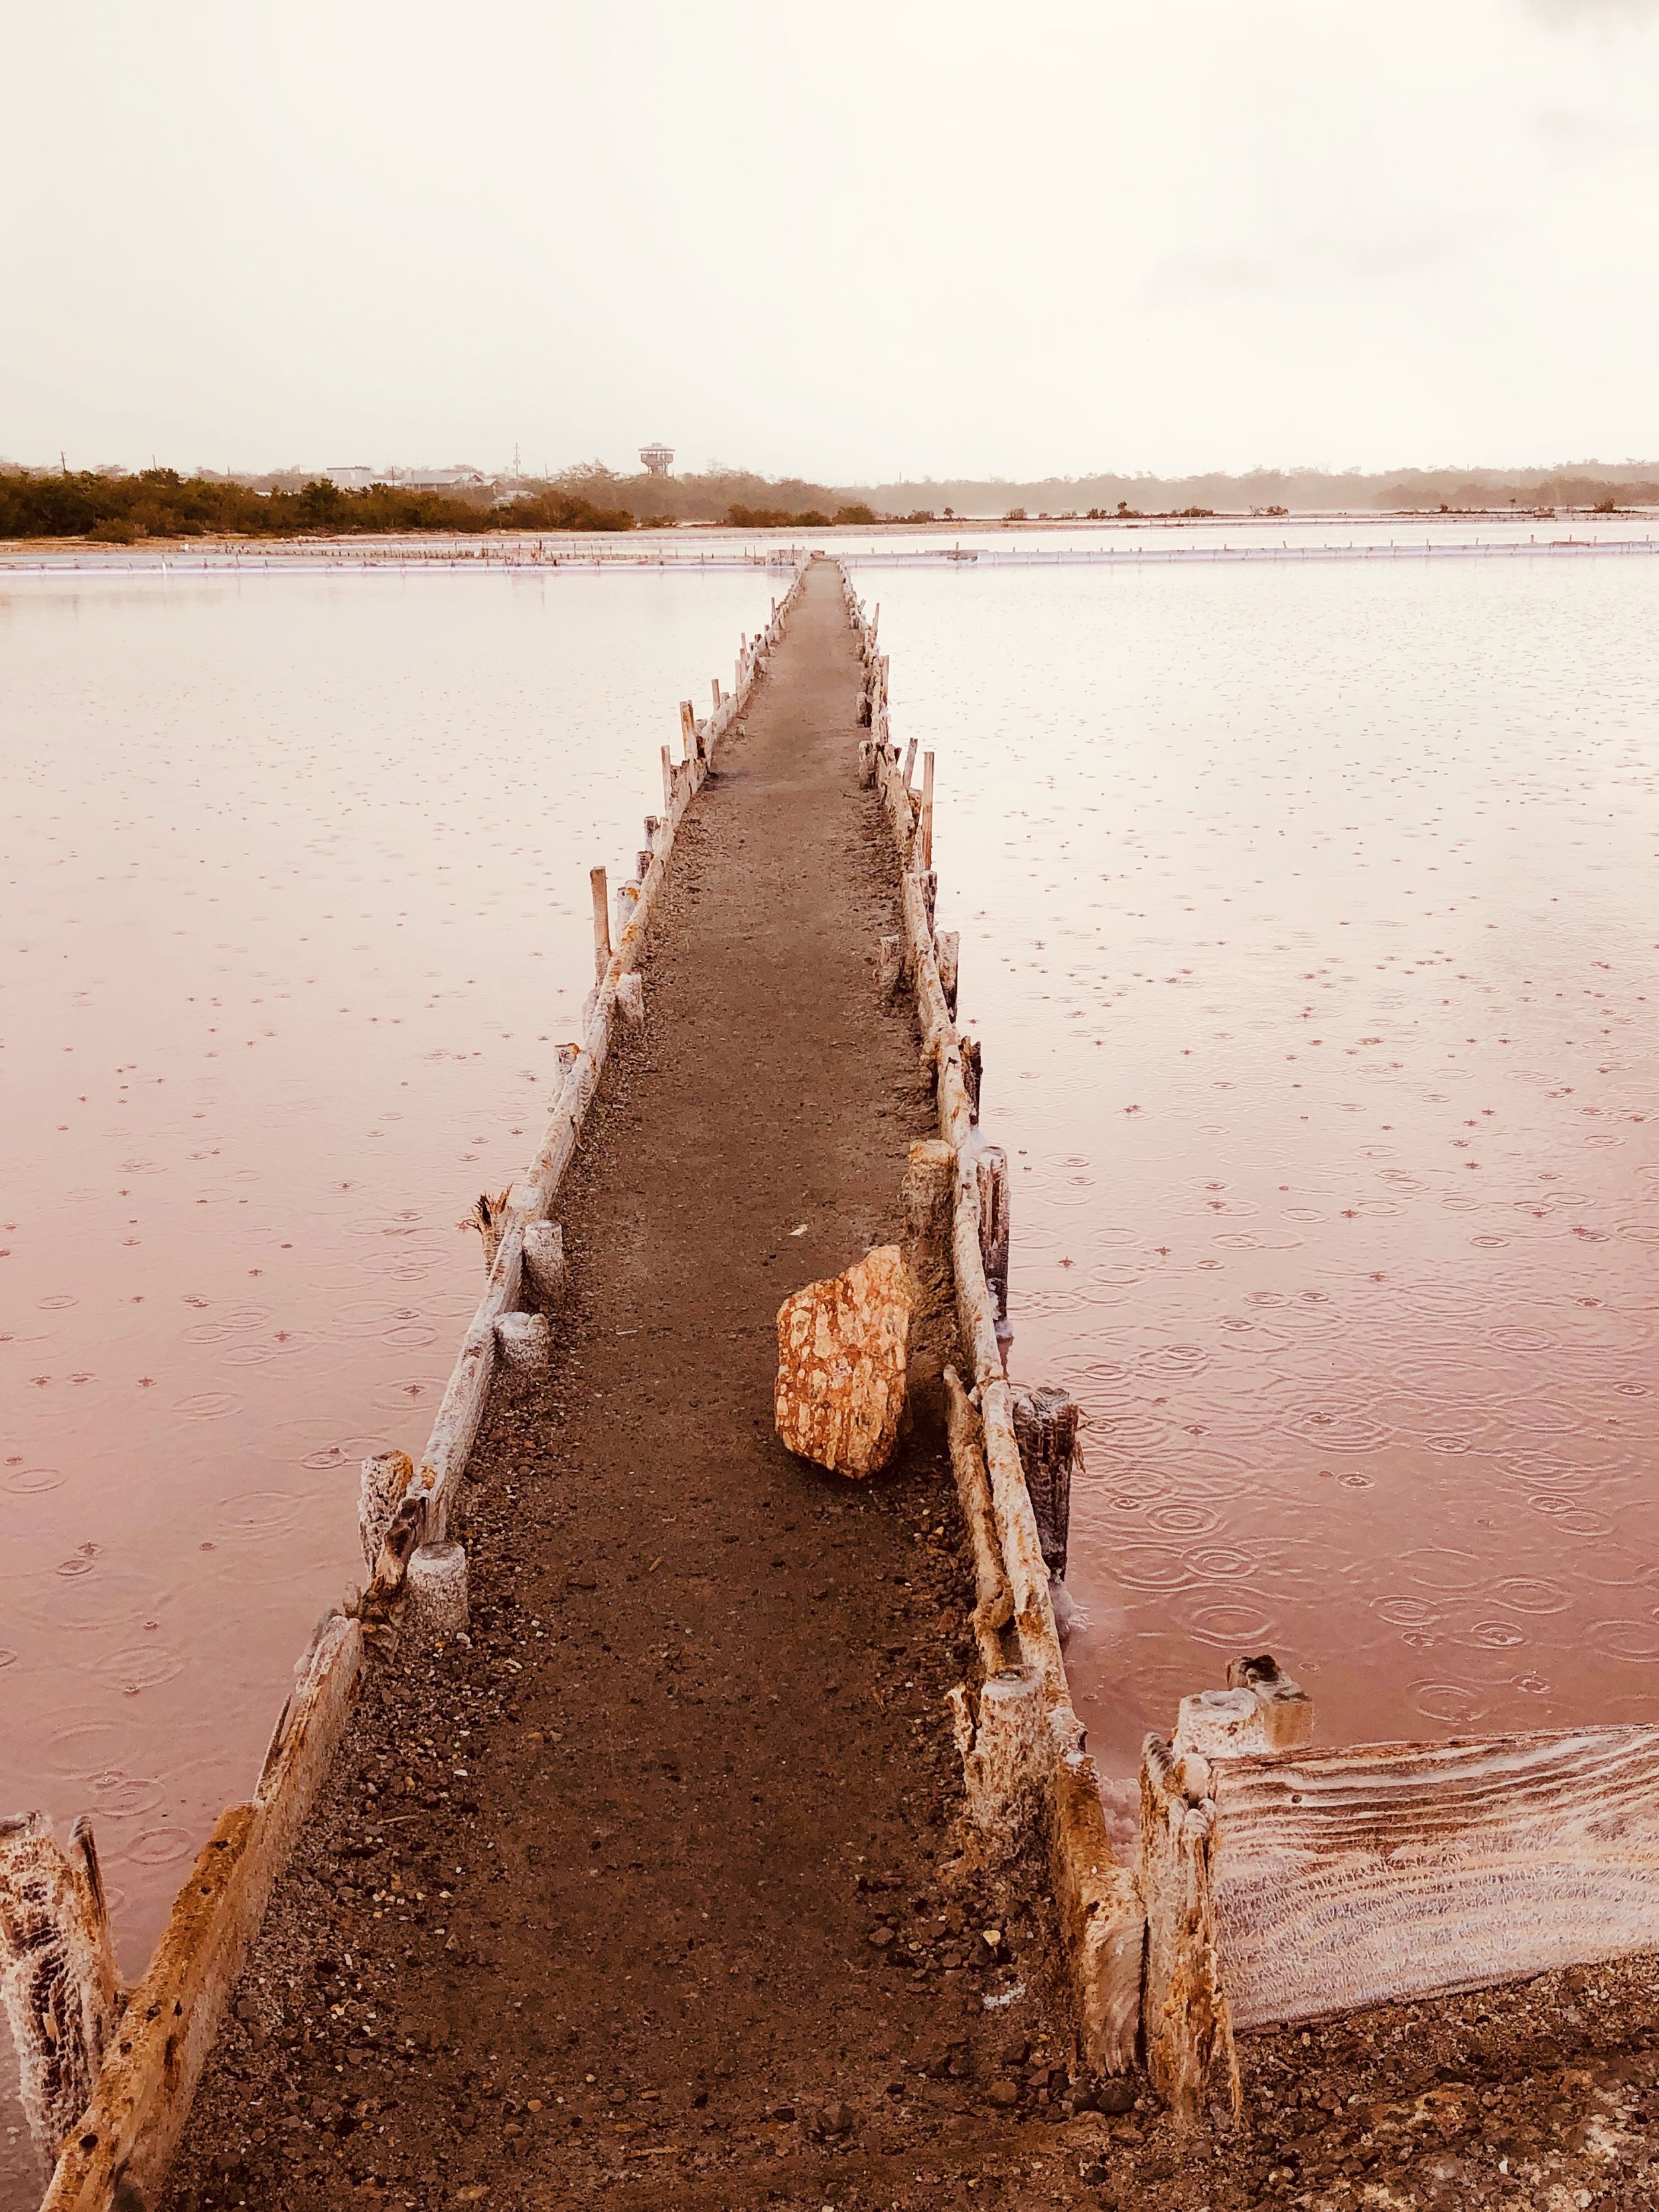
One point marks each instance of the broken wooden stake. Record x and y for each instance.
(891, 964)
(58, 1975)
(1045, 1427)
(947, 947)
(381, 1484)
(992, 1182)
(631, 997)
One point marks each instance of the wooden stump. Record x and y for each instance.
(434, 1594)
(524, 1341)
(1045, 1426)
(843, 1348)
(1184, 2016)
(381, 1484)
(973, 1073)
(1007, 1752)
(948, 954)
(544, 1260)
(990, 1178)
(631, 997)
(58, 1977)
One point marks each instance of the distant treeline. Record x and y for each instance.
(161, 503)
(741, 498)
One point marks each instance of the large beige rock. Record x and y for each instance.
(843, 1347)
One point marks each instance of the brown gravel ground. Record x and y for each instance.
(647, 1893)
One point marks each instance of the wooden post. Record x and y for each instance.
(543, 1258)
(601, 923)
(714, 686)
(909, 762)
(434, 1594)
(1045, 1428)
(973, 1073)
(947, 950)
(381, 1484)
(991, 1177)
(668, 782)
(58, 1975)
(631, 996)
(688, 729)
(925, 826)
(867, 763)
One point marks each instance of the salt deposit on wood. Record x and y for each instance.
(524, 1341)
(844, 1346)
(1045, 1424)
(434, 1594)
(58, 1975)
(630, 998)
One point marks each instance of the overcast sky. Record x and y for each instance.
(848, 240)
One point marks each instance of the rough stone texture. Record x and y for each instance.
(843, 1354)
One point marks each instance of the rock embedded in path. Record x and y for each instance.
(843, 1349)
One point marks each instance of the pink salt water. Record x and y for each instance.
(1309, 922)
(295, 913)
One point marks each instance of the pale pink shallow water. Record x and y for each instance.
(294, 910)
(1309, 919)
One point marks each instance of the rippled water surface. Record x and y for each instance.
(295, 910)
(1308, 920)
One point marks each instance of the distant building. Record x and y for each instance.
(658, 458)
(356, 477)
(437, 479)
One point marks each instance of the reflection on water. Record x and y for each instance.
(295, 913)
(1307, 920)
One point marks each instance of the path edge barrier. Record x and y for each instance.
(116, 2156)
(1030, 1780)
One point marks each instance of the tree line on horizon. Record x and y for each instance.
(111, 508)
(119, 510)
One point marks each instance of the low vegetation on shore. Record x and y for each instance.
(161, 503)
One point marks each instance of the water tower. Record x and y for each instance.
(658, 458)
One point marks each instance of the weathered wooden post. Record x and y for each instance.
(714, 686)
(631, 996)
(596, 879)
(947, 950)
(1045, 1429)
(688, 729)
(973, 1073)
(543, 1258)
(381, 1484)
(909, 762)
(668, 783)
(925, 824)
(524, 1341)
(57, 1975)
(991, 1179)
(434, 1594)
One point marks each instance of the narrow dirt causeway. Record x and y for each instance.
(641, 1889)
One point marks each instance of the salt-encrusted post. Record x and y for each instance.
(668, 783)
(689, 729)
(1045, 1426)
(991, 1174)
(925, 826)
(601, 923)
(58, 1973)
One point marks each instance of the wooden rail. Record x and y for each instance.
(142, 2052)
(1029, 1778)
